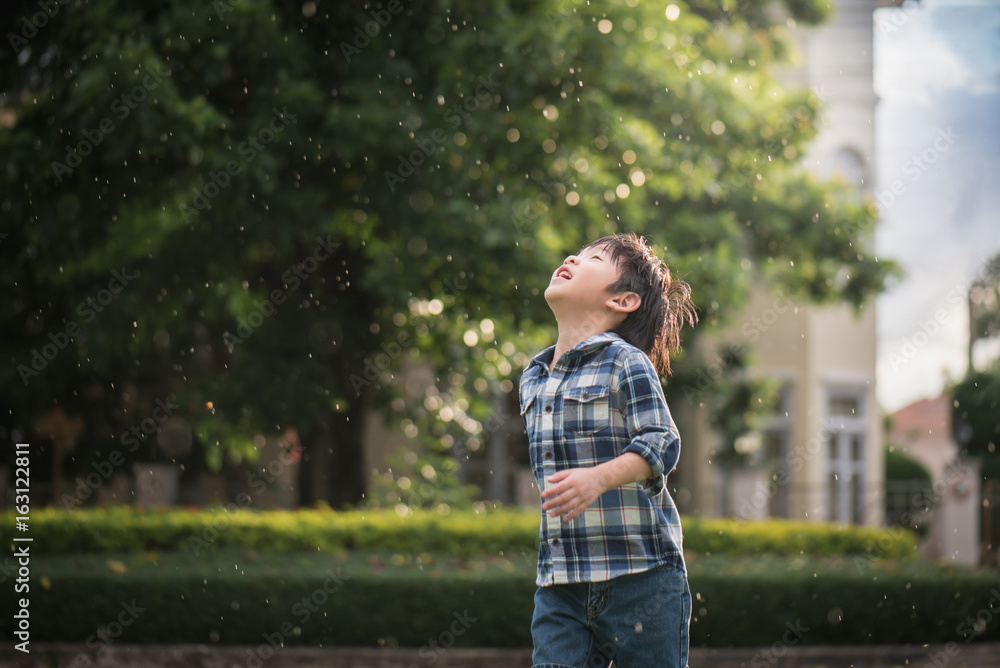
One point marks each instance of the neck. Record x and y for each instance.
(576, 328)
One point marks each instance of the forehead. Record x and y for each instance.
(603, 249)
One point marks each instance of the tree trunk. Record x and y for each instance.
(333, 460)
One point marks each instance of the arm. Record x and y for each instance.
(651, 428)
(576, 489)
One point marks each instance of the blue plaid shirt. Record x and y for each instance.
(602, 398)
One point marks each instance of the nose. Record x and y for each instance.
(571, 259)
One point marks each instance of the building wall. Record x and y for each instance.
(823, 355)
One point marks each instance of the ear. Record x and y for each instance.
(624, 302)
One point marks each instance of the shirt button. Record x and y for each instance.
(548, 454)
(586, 394)
(548, 409)
(555, 541)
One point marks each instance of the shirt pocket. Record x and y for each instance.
(586, 409)
(526, 403)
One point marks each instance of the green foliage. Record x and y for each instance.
(477, 531)
(421, 185)
(707, 536)
(365, 598)
(899, 466)
(737, 405)
(991, 468)
(976, 414)
(909, 493)
(810, 11)
(984, 303)
(413, 480)
(749, 601)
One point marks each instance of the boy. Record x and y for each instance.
(612, 583)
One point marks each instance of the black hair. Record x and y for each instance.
(665, 303)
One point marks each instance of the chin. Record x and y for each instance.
(554, 294)
(552, 290)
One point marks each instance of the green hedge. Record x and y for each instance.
(459, 533)
(900, 467)
(234, 596)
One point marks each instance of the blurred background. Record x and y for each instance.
(292, 255)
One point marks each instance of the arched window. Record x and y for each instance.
(848, 166)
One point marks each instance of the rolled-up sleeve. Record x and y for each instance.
(652, 433)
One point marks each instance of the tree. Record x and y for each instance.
(265, 210)
(976, 414)
(976, 398)
(984, 305)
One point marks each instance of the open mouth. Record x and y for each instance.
(563, 272)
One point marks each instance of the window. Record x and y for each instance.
(775, 439)
(846, 456)
(849, 168)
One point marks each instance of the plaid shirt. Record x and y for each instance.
(602, 398)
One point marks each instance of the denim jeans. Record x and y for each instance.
(638, 621)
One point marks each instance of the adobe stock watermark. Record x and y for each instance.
(772, 655)
(269, 472)
(362, 38)
(211, 532)
(248, 149)
(541, 204)
(890, 19)
(430, 652)
(974, 625)
(376, 363)
(796, 460)
(105, 468)
(749, 170)
(30, 25)
(292, 279)
(121, 107)
(751, 330)
(918, 165)
(968, 628)
(454, 116)
(303, 611)
(106, 635)
(926, 499)
(930, 327)
(88, 310)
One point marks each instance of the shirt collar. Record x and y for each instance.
(595, 342)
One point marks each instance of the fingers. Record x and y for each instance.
(569, 503)
(561, 499)
(576, 512)
(560, 487)
(561, 502)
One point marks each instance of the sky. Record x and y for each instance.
(937, 74)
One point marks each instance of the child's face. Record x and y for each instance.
(581, 281)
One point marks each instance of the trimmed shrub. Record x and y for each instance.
(384, 599)
(460, 533)
(900, 467)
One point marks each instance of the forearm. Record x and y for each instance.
(574, 490)
(622, 470)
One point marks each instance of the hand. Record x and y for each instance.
(575, 491)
